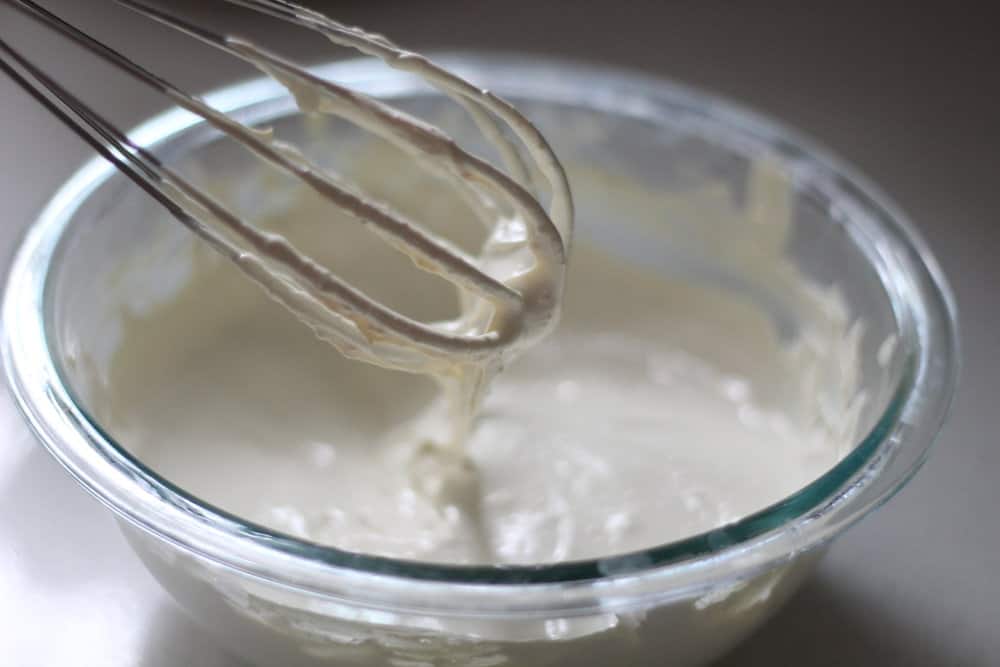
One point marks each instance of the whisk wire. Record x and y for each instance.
(475, 100)
(355, 320)
(137, 164)
(412, 135)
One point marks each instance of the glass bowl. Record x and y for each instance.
(275, 599)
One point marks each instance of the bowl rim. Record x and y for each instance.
(877, 467)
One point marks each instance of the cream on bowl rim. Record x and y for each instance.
(877, 467)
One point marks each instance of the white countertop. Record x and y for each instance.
(902, 96)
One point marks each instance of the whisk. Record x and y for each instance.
(502, 313)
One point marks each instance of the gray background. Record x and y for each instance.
(909, 95)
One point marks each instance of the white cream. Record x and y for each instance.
(657, 410)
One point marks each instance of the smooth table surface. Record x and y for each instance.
(909, 96)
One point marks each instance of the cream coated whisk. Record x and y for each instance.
(501, 313)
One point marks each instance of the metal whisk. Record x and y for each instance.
(361, 327)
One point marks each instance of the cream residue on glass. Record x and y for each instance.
(658, 409)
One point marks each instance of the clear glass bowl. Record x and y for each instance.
(278, 600)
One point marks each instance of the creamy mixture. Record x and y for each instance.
(663, 407)
(659, 408)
